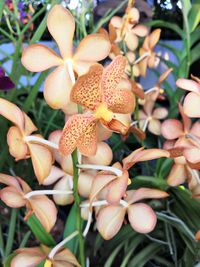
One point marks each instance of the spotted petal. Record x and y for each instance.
(38, 57)
(61, 25)
(80, 132)
(87, 92)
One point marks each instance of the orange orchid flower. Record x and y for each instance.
(33, 256)
(37, 57)
(140, 215)
(127, 28)
(192, 100)
(150, 117)
(19, 145)
(97, 91)
(114, 180)
(18, 194)
(148, 57)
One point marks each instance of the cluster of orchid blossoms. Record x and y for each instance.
(97, 101)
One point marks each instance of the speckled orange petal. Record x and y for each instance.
(75, 128)
(113, 73)
(61, 25)
(38, 57)
(44, 210)
(41, 159)
(12, 113)
(142, 218)
(154, 38)
(93, 48)
(57, 88)
(110, 220)
(17, 147)
(87, 91)
(172, 129)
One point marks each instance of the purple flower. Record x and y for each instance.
(5, 82)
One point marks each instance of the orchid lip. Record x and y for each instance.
(47, 192)
(101, 167)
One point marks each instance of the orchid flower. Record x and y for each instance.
(148, 57)
(140, 215)
(19, 140)
(150, 117)
(37, 57)
(127, 28)
(26, 257)
(192, 100)
(157, 91)
(115, 179)
(97, 91)
(18, 194)
(186, 136)
(5, 82)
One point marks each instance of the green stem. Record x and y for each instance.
(1, 242)
(11, 232)
(77, 203)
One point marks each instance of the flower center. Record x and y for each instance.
(102, 112)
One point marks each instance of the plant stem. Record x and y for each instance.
(77, 203)
(11, 232)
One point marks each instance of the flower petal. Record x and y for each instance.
(142, 218)
(177, 175)
(191, 105)
(164, 75)
(12, 113)
(154, 38)
(85, 181)
(192, 156)
(38, 57)
(80, 132)
(17, 147)
(12, 197)
(61, 26)
(9, 180)
(44, 210)
(63, 184)
(143, 62)
(100, 181)
(117, 189)
(195, 129)
(131, 40)
(146, 193)
(154, 126)
(160, 113)
(140, 30)
(103, 155)
(29, 126)
(94, 47)
(26, 259)
(41, 159)
(110, 220)
(86, 91)
(57, 88)
(55, 174)
(66, 256)
(188, 85)
(172, 129)
(186, 120)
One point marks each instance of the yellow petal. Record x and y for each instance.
(38, 57)
(61, 25)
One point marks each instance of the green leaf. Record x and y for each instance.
(112, 256)
(41, 264)
(165, 168)
(9, 259)
(186, 6)
(148, 181)
(39, 231)
(195, 36)
(194, 17)
(195, 55)
(175, 51)
(70, 227)
(11, 232)
(164, 24)
(2, 3)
